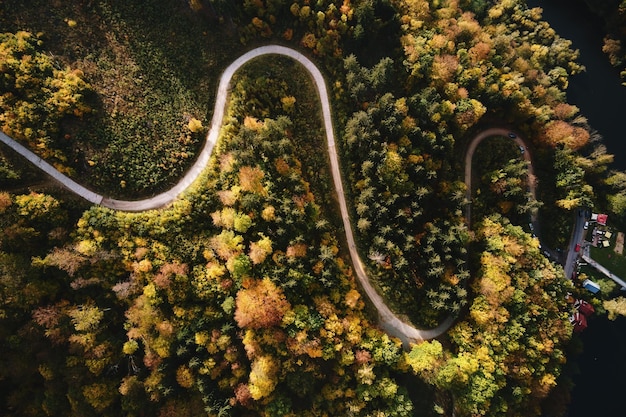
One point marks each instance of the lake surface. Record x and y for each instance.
(602, 99)
(598, 91)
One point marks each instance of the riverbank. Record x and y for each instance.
(598, 91)
(602, 99)
(597, 391)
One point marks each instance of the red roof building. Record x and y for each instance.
(579, 321)
(584, 308)
(600, 218)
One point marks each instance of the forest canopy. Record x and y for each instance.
(240, 297)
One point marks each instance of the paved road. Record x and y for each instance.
(51, 171)
(469, 155)
(587, 258)
(578, 231)
(577, 238)
(388, 320)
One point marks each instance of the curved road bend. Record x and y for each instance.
(388, 320)
(578, 231)
(469, 155)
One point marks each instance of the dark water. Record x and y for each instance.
(600, 390)
(598, 91)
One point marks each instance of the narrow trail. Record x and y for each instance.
(388, 321)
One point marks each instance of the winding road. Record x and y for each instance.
(388, 321)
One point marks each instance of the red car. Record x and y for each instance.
(577, 247)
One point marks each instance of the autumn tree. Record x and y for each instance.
(260, 305)
(37, 95)
(510, 350)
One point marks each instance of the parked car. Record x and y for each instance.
(586, 226)
(512, 135)
(521, 149)
(577, 247)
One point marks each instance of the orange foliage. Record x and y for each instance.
(309, 41)
(167, 271)
(261, 305)
(288, 34)
(227, 161)
(444, 67)
(297, 251)
(250, 179)
(242, 394)
(5, 201)
(565, 111)
(560, 132)
(281, 166)
(227, 197)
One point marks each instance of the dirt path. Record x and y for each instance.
(619, 243)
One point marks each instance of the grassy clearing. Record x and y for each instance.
(609, 259)
(153, 66)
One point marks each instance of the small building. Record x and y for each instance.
(579, 321)
(584, 307)
(599, 218)
(591, 286)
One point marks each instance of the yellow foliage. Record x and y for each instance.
(263, 376)
(224, 218)
(130, 347)
(227, 244)
(195, 125)
(253, 123)
(568, 203)
(615, 307)
(365, 374)
(86, 318)
(268, 213)
(288, 103)
(184, 377)
(143, 266)
(99, 395)
(352, 297)
(86, 247)
(196, 5)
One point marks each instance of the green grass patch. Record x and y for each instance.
(607, 257)
(153, 65)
